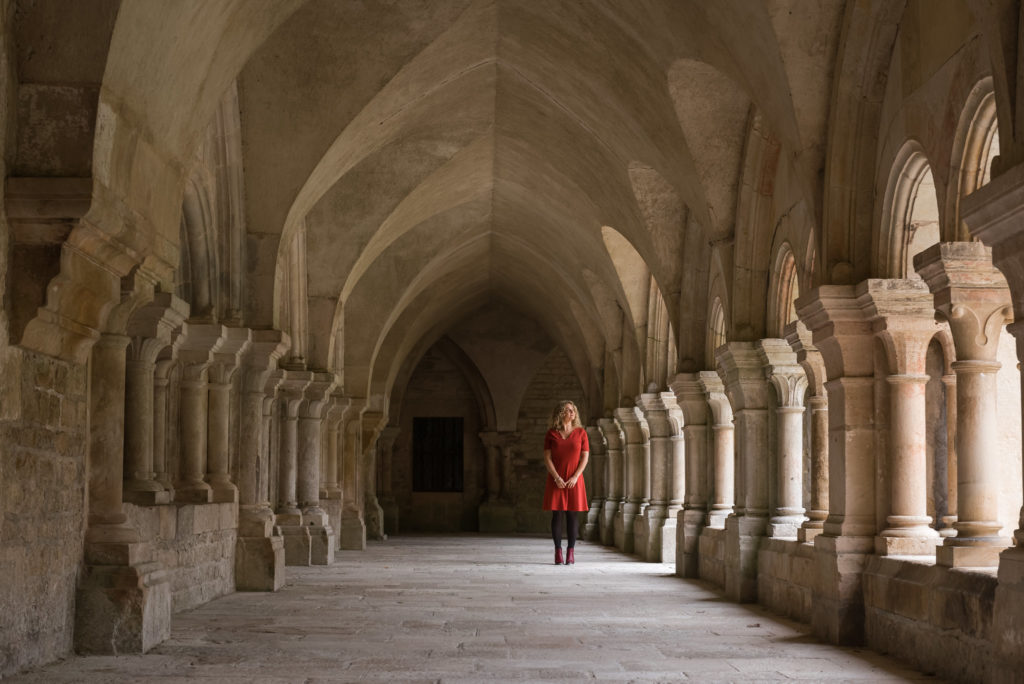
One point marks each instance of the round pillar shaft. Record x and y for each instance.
(908, 494)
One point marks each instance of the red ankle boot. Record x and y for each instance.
(558, 556)
(570, 556)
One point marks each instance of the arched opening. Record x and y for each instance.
(784, 292)
(910, 215)
(716, 330)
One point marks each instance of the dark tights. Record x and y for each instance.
(556, 527)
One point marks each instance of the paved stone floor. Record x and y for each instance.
(476, 608)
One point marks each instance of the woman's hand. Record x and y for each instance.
(559, 482)
(572, 481)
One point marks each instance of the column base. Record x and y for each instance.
(784, 527)
(689, 524)
(624, 527)
(225, 494)
(322, 543)
(373, 517)
(333, 509)
(718, 516)
(906, 546)
(838, 599)
(297, 545)
(122, 609)
(194, 493)
(607, 522)
(742, 540)
(496, 516)
(809, 530)
(647, 535)
(147, 497)
(259, 563)
(592, 528)
(1008, 618)
(982, 553)
(352, 533)
(390, 508)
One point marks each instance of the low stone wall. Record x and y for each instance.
(937, 619)
(785, 577)
(712, 556)
(195, 544)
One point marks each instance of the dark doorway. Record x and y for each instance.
(437, 454)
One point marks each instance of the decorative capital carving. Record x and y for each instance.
(633, 424)
(662, 412)
(612, 431)
(714, 390)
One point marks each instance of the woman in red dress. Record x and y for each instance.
(566, 452)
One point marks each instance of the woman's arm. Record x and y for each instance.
(559, 482)
(584, 457)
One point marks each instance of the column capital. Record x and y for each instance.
(597, 439)
(970, 292)
(261, 357)
(612, 431)
(318, 393)
(151, 327)
(840, 328)
(199, 343)
(807, 355)
(741, 366)
(783, 371)
(691, 398)
(714, 392)
(291, 386)
(227, 358)
(633, 424)
(902, 314)
(662, 413)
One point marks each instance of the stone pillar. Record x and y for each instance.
(374, 421)
(297, 543)
(200, 342)
(596, 480)
(655, 537)
(995, 215)
(150, 329)
(161, 382)
(903, 317)
(742, 369)
(218, 447)
(353, 528)
(496, 513)
(259, 550)
(386, 444)
(973, 296)
(331, 494)
(790, 382)
(691, 519)
(123, 599)
(637, 460)
(949, 520)
(810, 359)
(843, 333)
(614, 498)
(723, 466)
(314, 518)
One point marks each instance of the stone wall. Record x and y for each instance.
(785, 577)
(712, 556)
(937, 619)
(554, 381)
(195, 545)
(43, 439)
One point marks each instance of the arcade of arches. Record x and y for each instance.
(280, 276)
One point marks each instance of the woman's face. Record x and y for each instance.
(568, 413)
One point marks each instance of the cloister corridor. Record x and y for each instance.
(481, 608)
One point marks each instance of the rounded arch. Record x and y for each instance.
(783, 291)
(716, 335)
(975, 145)
(910, 214)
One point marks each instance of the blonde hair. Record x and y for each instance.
(559, 413)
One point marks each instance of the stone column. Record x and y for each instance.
(314, 518)
(331, 493)
(161, 382)
(353, 528)
(595, 479)
(741, 367)
(637, 459)
(973, 296)
(843, 333)
(949, 520)
(386, 444)
(297, 543)
(614, 498)
(691, 399)
(655, 537)
(496, 513)
(218, 448)
(903, 318)
(374, 421)
(200, 342)
(259, 550)
(810, 359)
(150, 329)
(123, 599)
(723, 466)
(790, 382)
(995, 215)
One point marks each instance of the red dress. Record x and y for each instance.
(565, 456)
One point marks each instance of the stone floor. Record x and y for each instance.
(475, 608)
